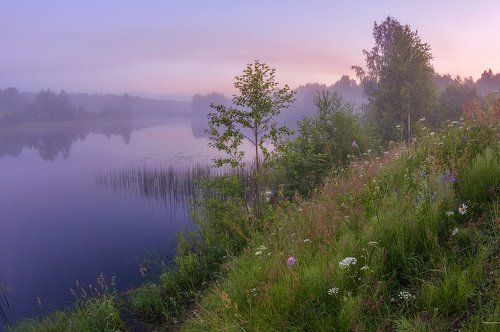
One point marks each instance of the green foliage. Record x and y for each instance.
(98, 314)
(251, 119)
(398, 81)
(457, 95)
(413, 272)
(325, 141)
(480, 183)
(200, 254)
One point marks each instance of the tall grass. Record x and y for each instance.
(4, 304)
(420, 262)
(404, 241)
(168, 185)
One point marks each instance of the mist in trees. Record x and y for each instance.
(398, 79)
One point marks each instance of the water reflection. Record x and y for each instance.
(53, 140)
(167, 185)
(75, 231)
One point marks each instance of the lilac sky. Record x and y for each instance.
(167, 48)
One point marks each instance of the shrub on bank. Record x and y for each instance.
(398, 243)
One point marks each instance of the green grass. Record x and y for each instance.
(393, 220)
(417, 268)
(99, 314)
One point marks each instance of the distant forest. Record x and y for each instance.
(47, 106)
(453, 93)
(18, 108)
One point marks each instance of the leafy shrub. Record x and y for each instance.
(481, 181)
(223, 231)
(325, 140)
(96, 314)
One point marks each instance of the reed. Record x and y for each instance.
(4, 304)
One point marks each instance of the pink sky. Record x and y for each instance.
(161, 48)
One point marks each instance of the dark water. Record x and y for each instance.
(63, 219)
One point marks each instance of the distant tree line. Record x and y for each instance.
(48, 106)
(402, 93)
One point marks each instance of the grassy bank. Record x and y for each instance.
(407, 242)
(402, 241)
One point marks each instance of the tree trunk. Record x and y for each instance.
(256, 180)
(409, 127)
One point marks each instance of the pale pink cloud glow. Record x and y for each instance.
(181, 48)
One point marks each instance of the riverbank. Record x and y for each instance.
(406, 240)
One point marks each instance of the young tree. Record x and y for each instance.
(251, 119)
(399, 78)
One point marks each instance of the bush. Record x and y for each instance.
(223, 231)
(325, 140)
(480, 183)
(97, 314)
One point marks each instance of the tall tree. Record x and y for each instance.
(398, 80)
(252, 118)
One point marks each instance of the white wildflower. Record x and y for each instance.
(449, 213)
(462, 209)
(262, 247)
(363, 268)
(454, 231)
(404, 295)
(307, 241)
(259, 252)
(348, 261)
(333, 291)
(371, 243)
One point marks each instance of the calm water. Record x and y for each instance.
(58, 225)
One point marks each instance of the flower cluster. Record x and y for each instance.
(291, 261)
(346, 262)
(448, 177)
(333, 291)
(260, 250)
(406, 296)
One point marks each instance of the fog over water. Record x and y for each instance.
(60, 225)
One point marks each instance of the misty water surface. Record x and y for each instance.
(58, 224)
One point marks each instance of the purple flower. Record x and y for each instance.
(291, 261)
(354, 145)
(443, 178)
(448, 177)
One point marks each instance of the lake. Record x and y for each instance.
(59, 225)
